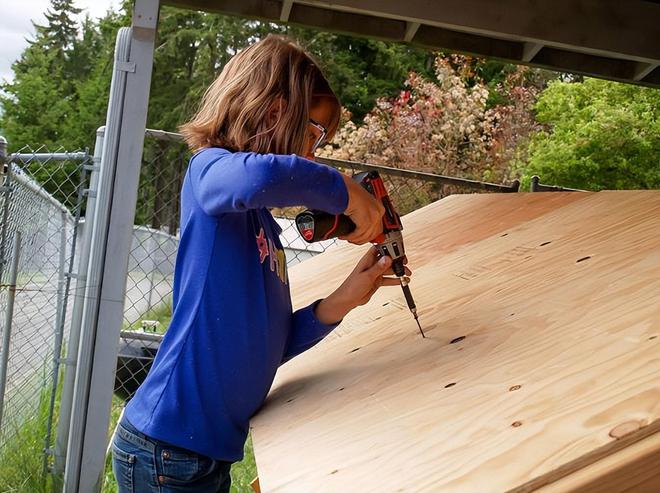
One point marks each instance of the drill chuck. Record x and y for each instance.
(318, 225)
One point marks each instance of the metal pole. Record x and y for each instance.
(419, 175)
(534, 185)
(6, 191)
(59, 336)
(152, 255)
(66, 399)
(47, 156)
(9, 315)
(111, 241)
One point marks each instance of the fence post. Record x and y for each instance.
(9, 314)
(59, 335)
(534, 185)
(3, 150)
(152, 254)
(66, 400)
(5, 190)
(111, 241)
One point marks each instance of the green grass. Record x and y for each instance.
(21, 457)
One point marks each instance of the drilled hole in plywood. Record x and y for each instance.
(582, 259)
(545, 243)
(457, 339)
(450, 385)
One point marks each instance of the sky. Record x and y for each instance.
(15, 25)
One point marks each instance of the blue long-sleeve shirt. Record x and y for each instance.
(232, 324)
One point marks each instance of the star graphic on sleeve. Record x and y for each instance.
(262, 244)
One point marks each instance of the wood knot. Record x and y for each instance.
(626, 428)
(514, 388)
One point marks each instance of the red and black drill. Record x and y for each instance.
(316, 225)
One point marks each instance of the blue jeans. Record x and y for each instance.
(144, 465)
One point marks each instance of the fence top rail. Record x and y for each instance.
(19, 176)
(404, 173)
(422, 175)
(163, 135)
(26, 157)
(537, 186)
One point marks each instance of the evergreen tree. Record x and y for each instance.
(61, 30)
(41, 97)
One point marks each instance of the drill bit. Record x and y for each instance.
(411, 302)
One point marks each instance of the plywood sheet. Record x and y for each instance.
(556, 299)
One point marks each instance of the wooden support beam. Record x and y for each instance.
(601, 27)
(439, 38)
(530, 50)
(601, 38)
(582, 63)
(286, 10)
(644, 69)
(350, 23)
(258, 9)
(411, 30)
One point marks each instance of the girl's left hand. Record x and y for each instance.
(369, 274)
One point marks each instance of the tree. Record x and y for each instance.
(445, 125)
(362, 70)
(39, 100)
(601, 135)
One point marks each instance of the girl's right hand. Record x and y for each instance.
(365, 211)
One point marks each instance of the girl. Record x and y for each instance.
(233, 324)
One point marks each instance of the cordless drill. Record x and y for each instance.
(316, 225)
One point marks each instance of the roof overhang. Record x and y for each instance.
(602, 38)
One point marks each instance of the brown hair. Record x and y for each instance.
(235, 112)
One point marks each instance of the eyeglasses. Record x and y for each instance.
(322, 133)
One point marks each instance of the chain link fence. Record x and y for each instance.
(42, 197)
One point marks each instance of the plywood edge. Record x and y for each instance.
(633, 468)
(605, 466)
